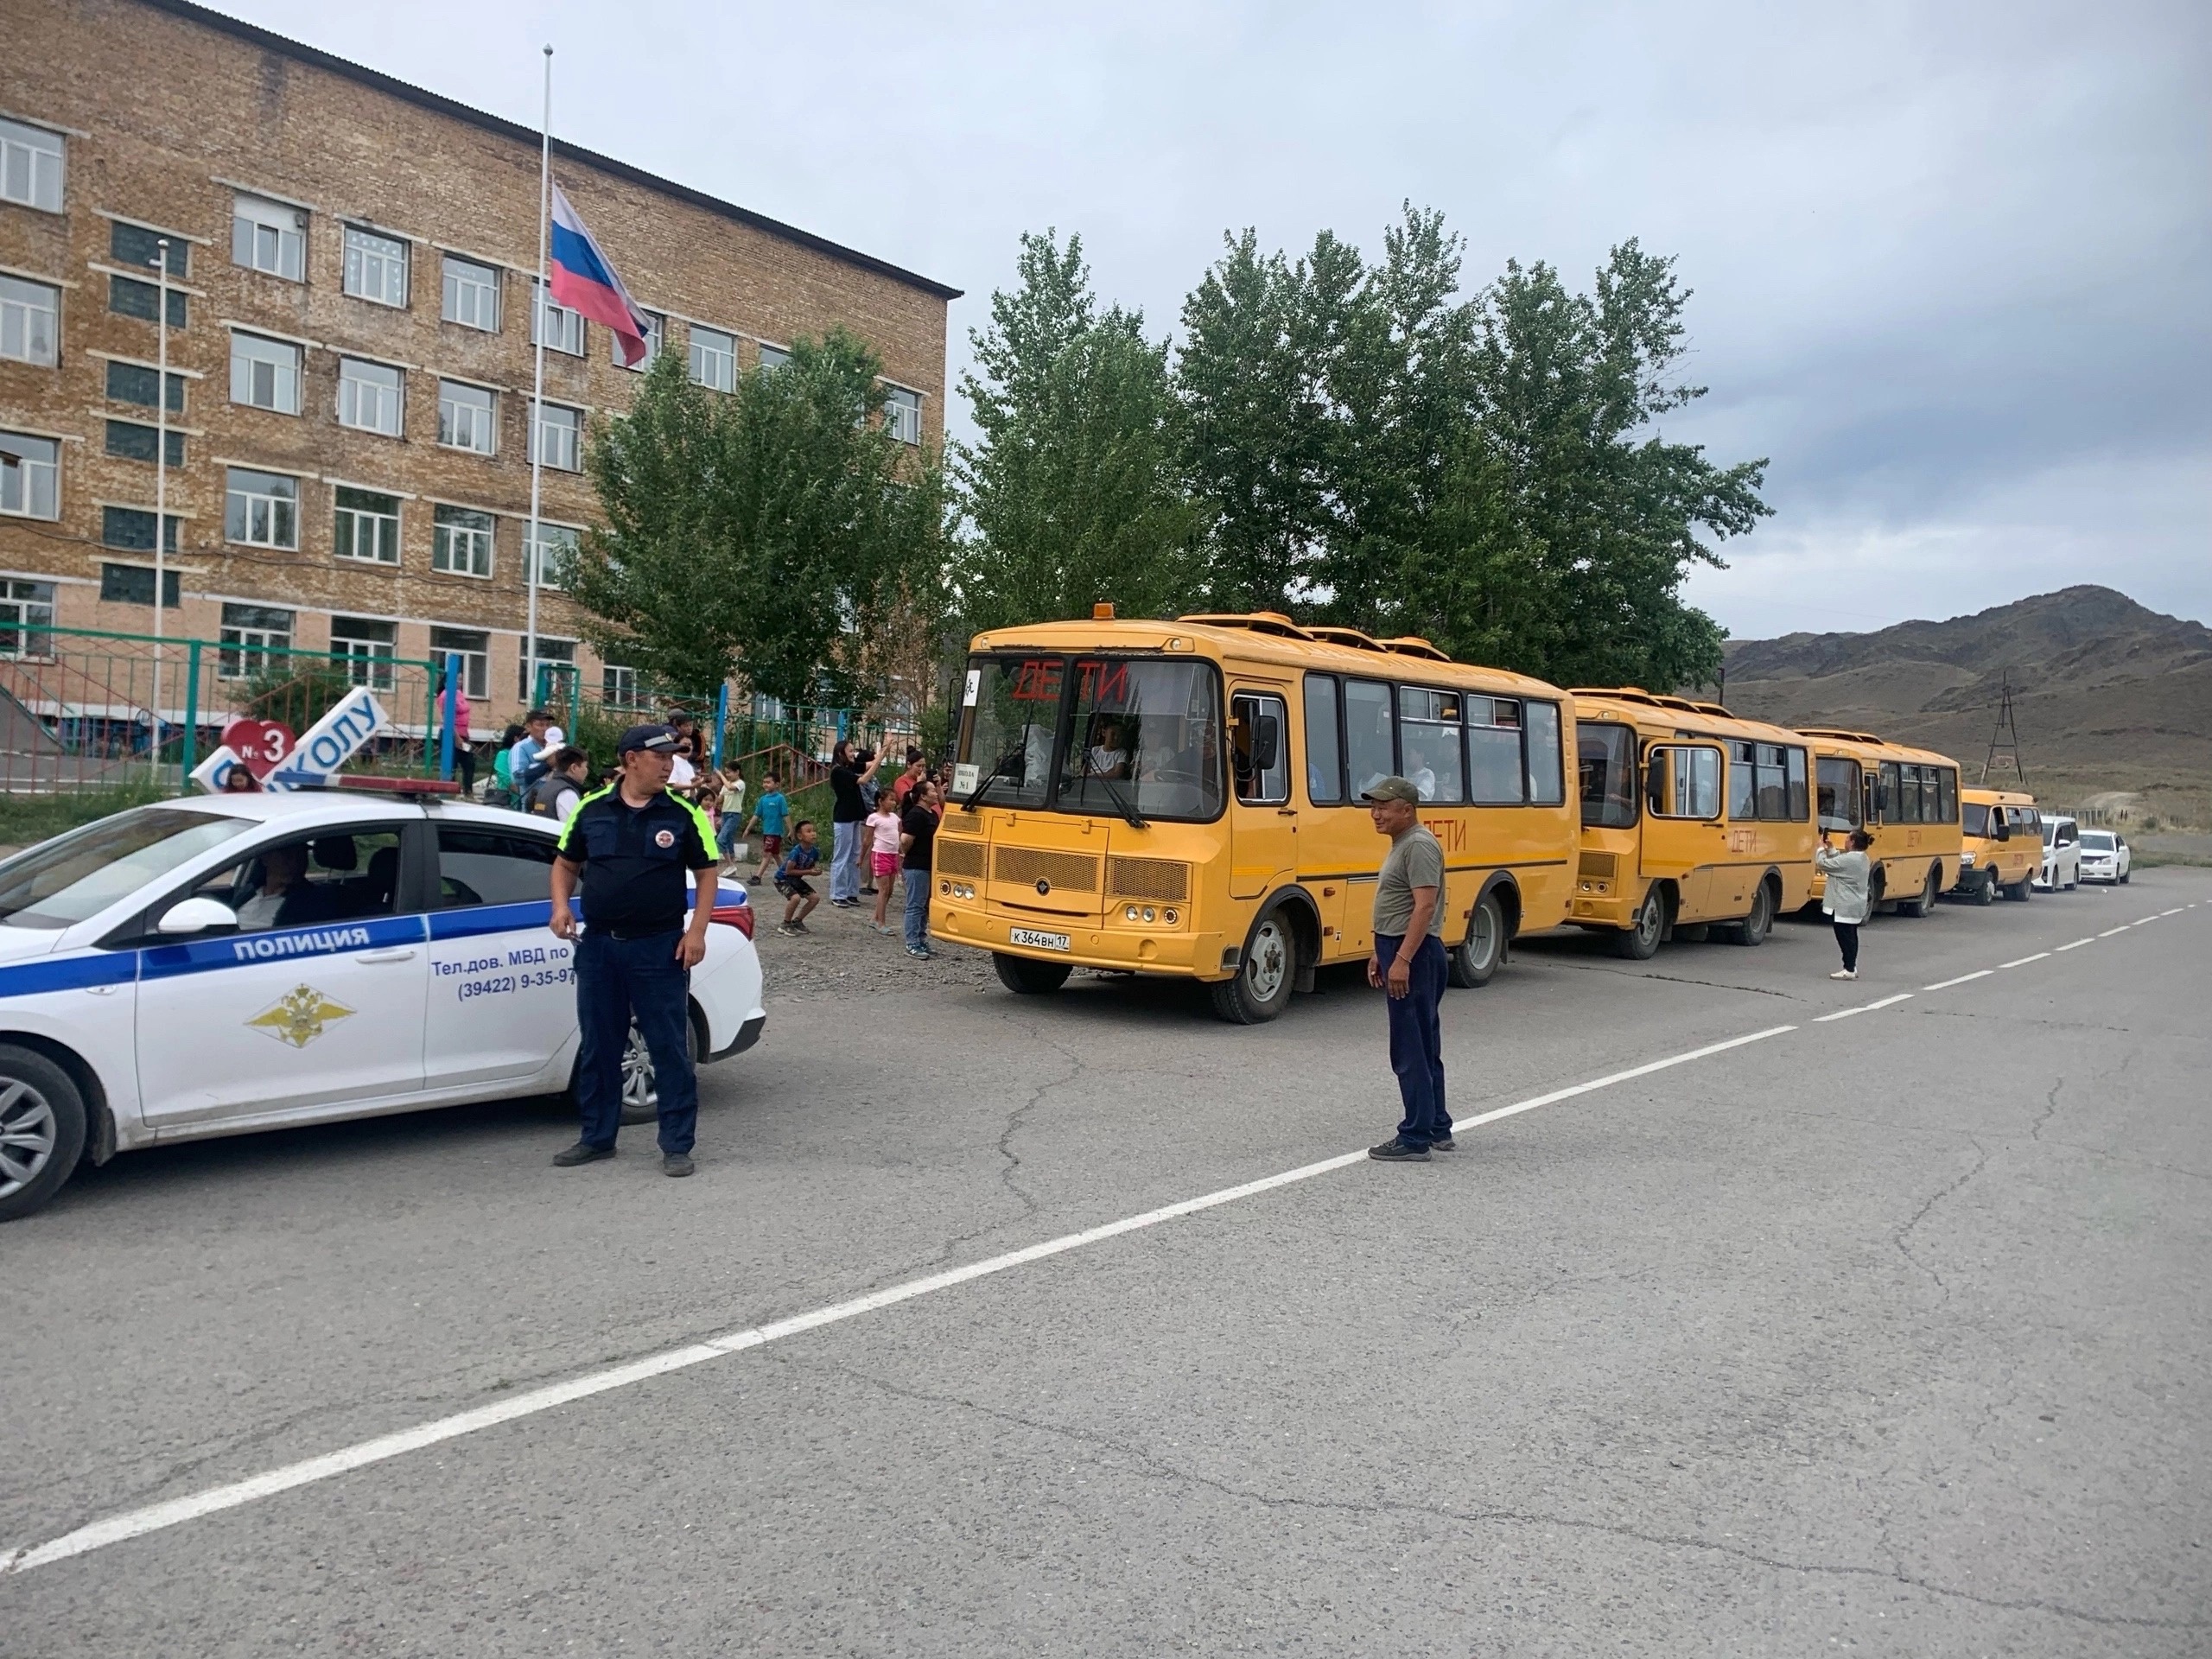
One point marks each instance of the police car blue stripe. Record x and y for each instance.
(490, 919)
(71, 973)
(252, 950)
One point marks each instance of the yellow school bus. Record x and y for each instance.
(1907, 798)
(1694, 822)
(1182, 799)
(2001, 844)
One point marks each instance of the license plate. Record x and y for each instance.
(1036, 941)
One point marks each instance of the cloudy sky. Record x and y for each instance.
(1953, 262)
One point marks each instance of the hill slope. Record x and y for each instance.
(2107, 694)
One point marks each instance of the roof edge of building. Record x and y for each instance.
(438, 103)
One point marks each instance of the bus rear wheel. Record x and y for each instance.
(1753, 929)
(1027, 977)
(1265, 973)
(2022, 890)
(1640, 941)
(1473, 962)
(1930, 890)
(1984, 891)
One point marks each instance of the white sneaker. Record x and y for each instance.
(1845, 973)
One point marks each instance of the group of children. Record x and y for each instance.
(900, 832)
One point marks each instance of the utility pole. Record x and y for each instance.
(2005, 738)
(161, 495)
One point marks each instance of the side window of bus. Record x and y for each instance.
(1547, 780)
(1839, 800)
(1794, 767)
(1428, 729)
(1494, 764)
(1743, 780)
(1947, 795)
(1369, 745)
(1259, 749)
(1885, 793)
(1324, 755)
(1682, 782)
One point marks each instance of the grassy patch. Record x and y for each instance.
(2144, 860)
(28, 819)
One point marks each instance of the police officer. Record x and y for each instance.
(628, 845)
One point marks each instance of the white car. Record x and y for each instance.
(2105, 856)
(2062, 854)
(152, 989)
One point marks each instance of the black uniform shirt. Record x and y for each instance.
(633, 860)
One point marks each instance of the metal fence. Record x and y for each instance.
(736, 726)
(85, 709)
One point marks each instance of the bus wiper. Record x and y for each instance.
(997, 772)
(1121, 803)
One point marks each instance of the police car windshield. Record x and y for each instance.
(80, 873)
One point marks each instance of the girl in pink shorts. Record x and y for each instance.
(882, 827)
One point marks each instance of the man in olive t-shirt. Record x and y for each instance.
(1408, 964)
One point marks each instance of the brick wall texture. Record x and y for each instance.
(166, 118)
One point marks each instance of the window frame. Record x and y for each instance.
(542, 304)
(1632, 741)
(908, 402)
(23, 635)
(26, 472)
(445, 531)
(398, 390)
(487, 832)
(242, 341)
(533, 553)
(355, 515)
(1259, 698)
(243, 644)
(267, 216)
(120, 230)
(489, 411)
(111, 424)
(696, 346)
(125, 367)
(361, 667)
(1455, 738)
(1520, 730)
(359, 258)
(238, 527)
(21, 137)
(574, 448)
(179, 306)
(22, 303)
(112, 571)
(1334, 684)
(457, 272)
(1693, 745)
(475, 660)
(656, 340)
(111, 515)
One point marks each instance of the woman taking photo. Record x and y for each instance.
(1849, 874)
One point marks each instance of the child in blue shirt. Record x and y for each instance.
(799, 896)
(769, 812)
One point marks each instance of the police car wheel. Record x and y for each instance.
(640, 1095)
(42, 1130)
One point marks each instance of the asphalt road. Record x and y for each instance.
(1886, 1332)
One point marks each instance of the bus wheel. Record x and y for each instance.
(1474, 960)
(2022, 889)
(1027, 977)
(1264, 976)
(1929, 890)
(1640, 942)
(1752, 929)
(1985, 891)
(42, 1130)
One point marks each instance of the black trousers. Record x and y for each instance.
(1847, 936)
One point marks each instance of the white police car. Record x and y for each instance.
(229, 962)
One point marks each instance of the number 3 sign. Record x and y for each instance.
(262, 744)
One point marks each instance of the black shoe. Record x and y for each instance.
(675, 1163)
(569, 1158)
(1447, 1144)
(868, 892)
(1395, 1151)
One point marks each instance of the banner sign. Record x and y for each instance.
(322, 748)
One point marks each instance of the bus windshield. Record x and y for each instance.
(1977, 819)
(1138, 735)
(1839, 795)
(1607, 755)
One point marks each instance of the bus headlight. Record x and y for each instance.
(1148, 914)
(1129, 913)
(1170, 918)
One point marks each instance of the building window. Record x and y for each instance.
(28, 327)
(134, 382)
(132, 529)
(376, 266)
(367, 526)
(475, 650)
(129, 297)
(269, 236)
(134, 245)
(369, 396)
(552, 555)
(26, 605)
(462, 546)
(133, 584)
(30, 476)
(266, 373)
(472, 297)
(129, 441)
(773, 357)
(252, 634)
(365, 648)
(656, 332)
(30, 166)
(556, 657)
(464, 417)
(562, 329)
(902, 414)
(557, 435)
(713, 359)
(262, 509)
(618, 684)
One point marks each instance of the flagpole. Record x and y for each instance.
(161, 494)
(532, 552)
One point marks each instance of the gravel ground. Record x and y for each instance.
(841, 953)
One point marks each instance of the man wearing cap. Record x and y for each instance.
(1408, 964)
(627, 845)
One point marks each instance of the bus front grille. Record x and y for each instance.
(1075, 872)
(1599, 867)
(959, 857)
(1147, 878)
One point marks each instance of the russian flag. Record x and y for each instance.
(583, 281)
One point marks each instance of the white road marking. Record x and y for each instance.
(2022, 961)
(2078, 943)
(2175, 910)
(1869, 1007)
(154, 1517)
(2109, 932)
(1946, 984)
(2142, 921)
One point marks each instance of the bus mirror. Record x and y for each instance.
(1267, 741)
(2004, 829)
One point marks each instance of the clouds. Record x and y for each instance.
(1951, 262)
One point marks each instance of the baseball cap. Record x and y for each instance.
(659, 739)
(1392, 789)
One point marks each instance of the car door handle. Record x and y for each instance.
(401, 954)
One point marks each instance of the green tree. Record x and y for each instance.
(1071, 487)
(746, 532)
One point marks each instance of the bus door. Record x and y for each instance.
(1263, 823)
(1684, 834)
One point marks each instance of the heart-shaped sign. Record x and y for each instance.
(262, 744)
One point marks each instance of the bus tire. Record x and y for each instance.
(1266, 971)
(1026, 976)
(2022, 890)
(1985, 891)
(1754, 928)
(1878, 890)
(41, 1129)
(1931, 888)
(1473, 962)
(1639, 941)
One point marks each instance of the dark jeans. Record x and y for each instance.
(1417, 1040)
(918, 909)
(464, 762)
(1847, 936)
(618, 980)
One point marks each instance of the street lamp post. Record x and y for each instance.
(160, 492)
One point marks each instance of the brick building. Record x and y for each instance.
(351, 343)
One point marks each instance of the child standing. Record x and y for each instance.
(733, 809)
(799, 895)
(770, 814)
(883, 841)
